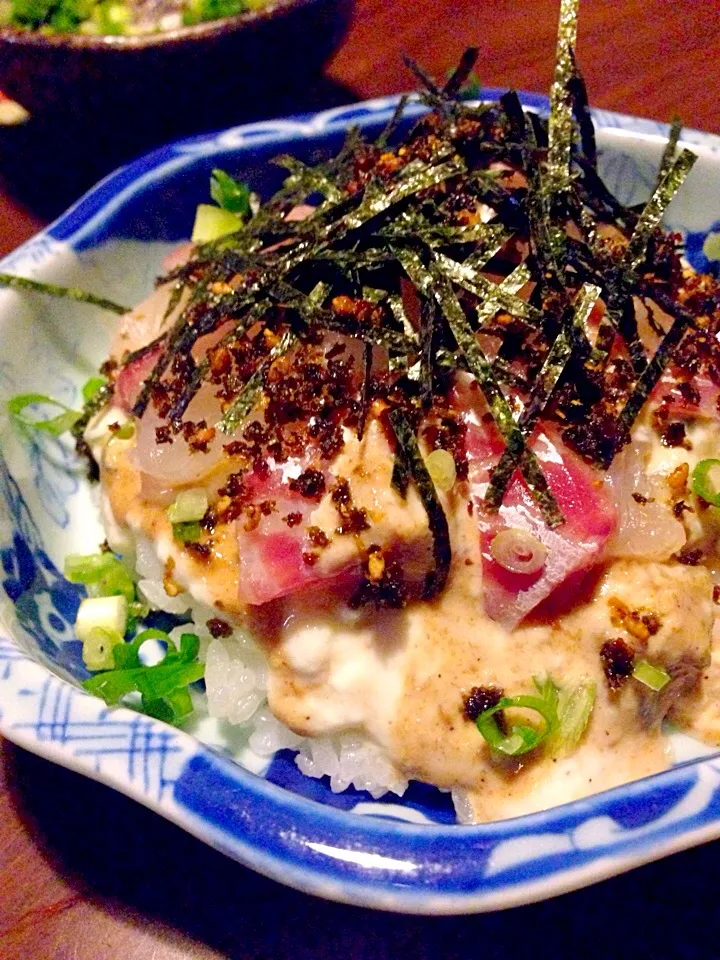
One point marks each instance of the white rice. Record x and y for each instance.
(236, 679)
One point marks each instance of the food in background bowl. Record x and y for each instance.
(116, 17)
(101, 98)
(426, 445)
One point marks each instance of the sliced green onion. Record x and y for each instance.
(126, 431)
(174, 708)
(711, 246)
(650, 676)
(189, 532)
(230, 194)
(111, 19)
(522, 738)
(188, 505)
(102, 573)
(127, 657)
(55, 426)
(547, 688)
(518, 551)
(137, 610)
(198, 11)
(212, 223)
(705, 481)
(574, 707)
(97, 651)
(441, 467)
(108, 614)
(162, 686)
(92, 386)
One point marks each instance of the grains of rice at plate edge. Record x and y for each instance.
(236, 678)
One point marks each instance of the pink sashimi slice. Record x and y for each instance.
(271, 565)
(133, 375)
(271, 561)
(699, 398)
(572, 548)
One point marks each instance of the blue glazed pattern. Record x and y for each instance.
(345, 846)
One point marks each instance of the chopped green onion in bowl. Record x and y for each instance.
(92, 387)
(103, 574)
(55, 426)
(105, 613)
(189, 505)
(163, 686)
(574, 706)
(521, 737)
(565, 712)
(97, 652)
(441, 467)
(705, 481)
(187, 532)
(230, 194)
(212, 223)
(125, 432)
(650, 676)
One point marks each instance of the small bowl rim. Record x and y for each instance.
(109, 44)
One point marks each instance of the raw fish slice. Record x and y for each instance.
(572, 548)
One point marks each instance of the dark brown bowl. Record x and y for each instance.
(201, 67)
(97, 102)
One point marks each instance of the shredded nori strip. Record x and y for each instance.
(409, 453)
(427, 337)
(478, 364)
(387, 212)
(572, 334)
(670, 150)
(512, 284)
(581, 112)
(424, 78)
(312, 313)
(461, 72)
(401, 475)
(393, 123)
(312, 179)
(561, 130)
(66, 293)
(517, 451)
(510, 102)
(470, 279)
(656, 207)
(365, 395)
(653, 370)
(380, 200)
(488, 237)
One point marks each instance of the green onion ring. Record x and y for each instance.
(522, 738)
(701, 482)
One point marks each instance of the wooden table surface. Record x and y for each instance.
(86, 874)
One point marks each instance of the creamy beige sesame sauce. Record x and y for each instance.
(402, 676)
(214, 580)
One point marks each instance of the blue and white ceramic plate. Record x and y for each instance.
(407, 856)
